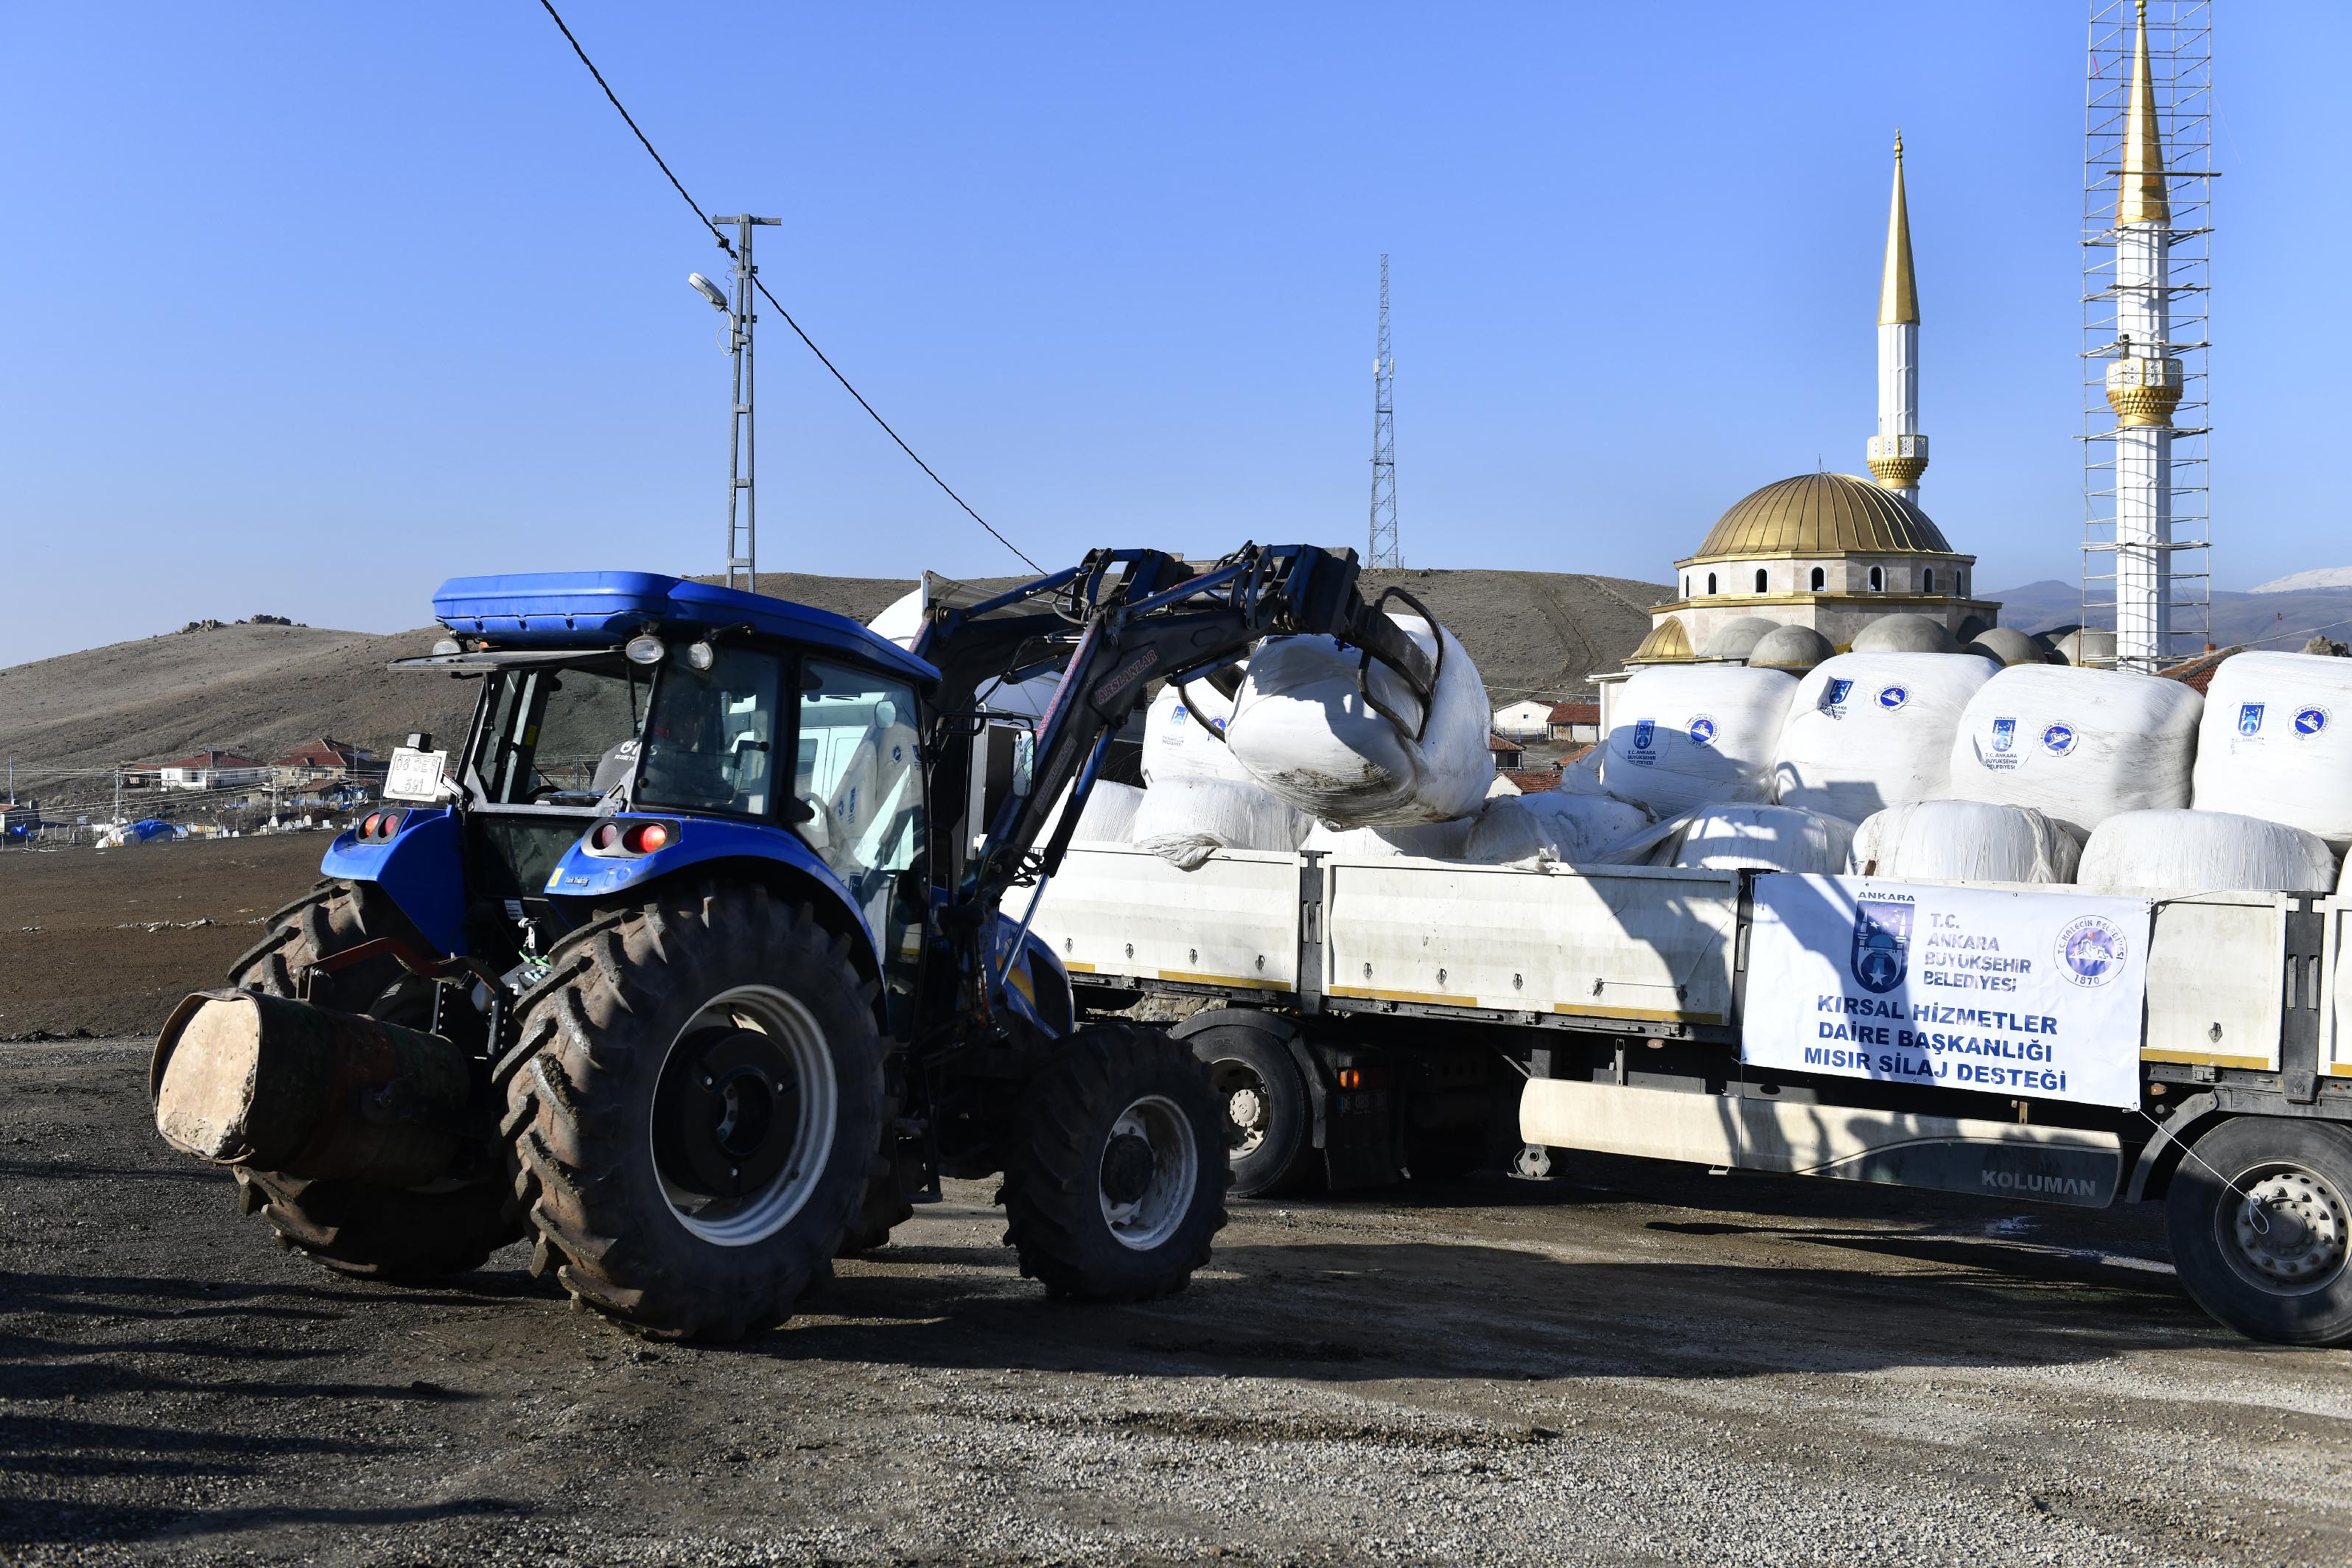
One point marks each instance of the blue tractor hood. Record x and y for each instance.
(597, 609)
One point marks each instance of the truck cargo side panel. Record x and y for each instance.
(1628, 943)
(2213, 975)
(1232, 922)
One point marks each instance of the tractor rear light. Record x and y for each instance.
(605, 834)
(648, 837)
(367, 828)
(387, 823)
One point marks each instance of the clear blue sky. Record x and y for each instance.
(312, 306)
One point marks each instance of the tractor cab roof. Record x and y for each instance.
(598, 609)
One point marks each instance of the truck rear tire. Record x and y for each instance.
(2260, 1218)
(404, 1236)
(1268, 1119)
(697, 1111)
(1114, 1187)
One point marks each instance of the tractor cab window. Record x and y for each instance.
(858, 775)
(711, 741)
(561, 736)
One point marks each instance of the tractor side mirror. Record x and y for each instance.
(1025, 762)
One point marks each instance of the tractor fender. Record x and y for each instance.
(421, 869)
(737, 851)
(1319, 1091)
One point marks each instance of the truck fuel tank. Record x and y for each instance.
(241, 1079)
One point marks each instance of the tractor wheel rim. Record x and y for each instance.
(1151, 1167)
(770, 1109)
(1249, 1108)
(2290, 1231)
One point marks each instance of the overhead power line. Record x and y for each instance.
(703, 218)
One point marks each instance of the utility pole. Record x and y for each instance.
(742, 505)
(1385, 548)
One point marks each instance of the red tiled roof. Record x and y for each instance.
(1575, 713)
(1501, 743)
(1533, 780)
(324, 752)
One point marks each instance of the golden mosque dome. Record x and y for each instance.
(1815, 514)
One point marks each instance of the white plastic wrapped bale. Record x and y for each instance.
(1964, 841)
(1686, 736)
(1574, 828)
(1759, 837)
(1109, 819)
(1176, 740)
(1428, 840)
(2078, 745)
(2203, 852)
(1186, 820)
(1302, 729)
(2276, 743)
(1867, 731)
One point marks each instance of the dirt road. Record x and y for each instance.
(1635, 1365)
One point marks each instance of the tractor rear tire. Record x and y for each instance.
(1116, 1181)
(405, 1235)
(697, 1111)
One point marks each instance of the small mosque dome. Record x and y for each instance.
(1792, 648)
(2087, 645)
(1905, 633)
(1666, 644)
(2006, 644)
(1735, 637)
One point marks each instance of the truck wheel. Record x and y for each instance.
(1114, 1188)
(696, 1111)
(1268, 1119)
(405, 1236)
(2260, 1218)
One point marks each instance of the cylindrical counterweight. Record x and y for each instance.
(241, 1079)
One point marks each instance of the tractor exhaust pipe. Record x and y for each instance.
(241, 1079)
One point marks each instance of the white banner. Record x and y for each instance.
(2030, 996)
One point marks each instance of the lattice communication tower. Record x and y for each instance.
(1384, 551)
(2180, 59)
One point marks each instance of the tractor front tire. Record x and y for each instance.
(1116, 1180)
(696, 1109)
(401, 1234)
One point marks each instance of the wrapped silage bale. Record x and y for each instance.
(2276, 743)
(1177, 743)
(2183, 851)
(1689, 735)
(1759, 837)
(1867, 731)
(1109, 819)
(1429, 840)
(1964, 841)
(1185, 820)
(1302, 729)
(2078, 745)
(1567, 827)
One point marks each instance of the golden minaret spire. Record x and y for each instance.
(1898, 453)
(2144, 197)
(1898, 295)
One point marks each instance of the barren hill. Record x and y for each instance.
(260, 690)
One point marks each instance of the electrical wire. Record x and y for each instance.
(703, 218)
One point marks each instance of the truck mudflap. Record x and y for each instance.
(2069, 1165)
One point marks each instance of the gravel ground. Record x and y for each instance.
(1635, 1364)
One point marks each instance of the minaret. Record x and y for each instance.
(1898, 453)
(2144, 381)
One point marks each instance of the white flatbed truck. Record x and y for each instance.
(1370, 1018)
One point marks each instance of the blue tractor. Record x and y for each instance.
(689, 967)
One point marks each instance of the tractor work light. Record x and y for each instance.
(447, 647)
(644, 650)
(700, 655)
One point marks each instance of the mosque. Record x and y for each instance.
(1810, 565)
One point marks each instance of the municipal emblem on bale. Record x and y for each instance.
(1702, 730)
(2311, 722)
(1881, 943)
(1645, 733)
(2090, 951)
(1893, 697)
(2004, 735)
(2058, 739)
(2249, 718)
(1834, 696)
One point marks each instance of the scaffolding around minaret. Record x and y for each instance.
(2146, 277)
